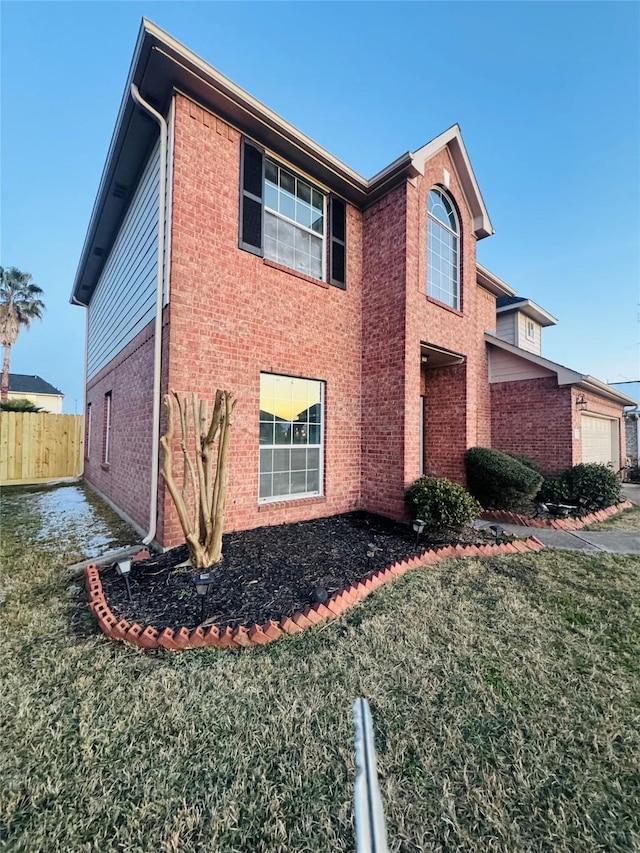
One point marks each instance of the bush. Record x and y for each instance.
(525, 460)
(498, 480)
(554, 490)
(19, 405)
(441, 503)
(596, 486)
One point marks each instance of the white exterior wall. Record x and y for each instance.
(124, 299)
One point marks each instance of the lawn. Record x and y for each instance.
(505, 694)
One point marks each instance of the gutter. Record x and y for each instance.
(157, 348)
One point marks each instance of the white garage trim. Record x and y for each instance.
(600, 440)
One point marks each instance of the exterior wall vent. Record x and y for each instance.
(119, 190)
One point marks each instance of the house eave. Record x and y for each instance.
(485, 278)
(565, 376)
(161, 66)
(530, 309)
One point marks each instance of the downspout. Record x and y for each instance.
(157, 350)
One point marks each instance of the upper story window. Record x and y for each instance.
(443, 250)
(294, 221)
(531, 330)
(286, 219)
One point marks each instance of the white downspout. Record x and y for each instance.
(157, 350)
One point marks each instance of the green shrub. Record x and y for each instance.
(596, 485)
(525, 460)
(498, 480)
(554, 490)
(19, 405)
(441, 503)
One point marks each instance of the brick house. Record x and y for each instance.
(228, 250)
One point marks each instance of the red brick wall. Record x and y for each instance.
(538, 418)
(129, 378)
(233, 315)
(457, 399)
(533, 417)
(383, 354)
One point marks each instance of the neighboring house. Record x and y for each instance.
(631, 418)
(555, 415)
(228, 250)
(36, 391)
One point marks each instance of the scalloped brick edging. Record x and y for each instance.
(257, 635)
(505, 517)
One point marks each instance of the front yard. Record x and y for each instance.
(505, 694)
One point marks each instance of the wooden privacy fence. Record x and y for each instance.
(39, 446)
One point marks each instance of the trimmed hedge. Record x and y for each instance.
(587, 486)
(498, 480)
(441, 503)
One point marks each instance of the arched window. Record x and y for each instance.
(443, 250)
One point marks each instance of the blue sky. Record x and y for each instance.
(547, 96)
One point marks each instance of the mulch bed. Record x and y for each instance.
(267, 573)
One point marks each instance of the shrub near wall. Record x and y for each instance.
(588, 485)
(442, 504)
(500, 481)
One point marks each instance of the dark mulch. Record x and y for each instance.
(267, 573)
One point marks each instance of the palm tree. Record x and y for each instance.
(19, 305)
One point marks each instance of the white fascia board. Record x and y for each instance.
(565, 375)
(452, 138)
(530, 309)
(492, 283)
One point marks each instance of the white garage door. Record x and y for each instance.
(600, 440)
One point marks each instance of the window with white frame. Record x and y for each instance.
(531, 330)
(443, 250)
(293, 221)
(106, 438)
(291, 437)
(286, 219)
(87, 441)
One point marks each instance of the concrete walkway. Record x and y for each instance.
(609, 541)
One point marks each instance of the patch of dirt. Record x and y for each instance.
(267, 573)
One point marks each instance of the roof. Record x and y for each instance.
(492, 283)
(565, 375)
(21, 383)
(161, 66)
(527, 307)
(630, 388)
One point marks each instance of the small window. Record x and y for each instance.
(443, 250)
(531, 330)
(291, 437)
(106, 438)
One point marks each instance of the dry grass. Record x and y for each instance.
(629, 519)
(505, 694)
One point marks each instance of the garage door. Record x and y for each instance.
(600, 440)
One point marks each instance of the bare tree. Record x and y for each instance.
(201, 501)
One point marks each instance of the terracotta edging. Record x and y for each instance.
(506, 517)
(148, 637)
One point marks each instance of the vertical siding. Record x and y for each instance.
(534, 344)
(124, 300)
(505, 328)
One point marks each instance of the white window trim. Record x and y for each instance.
(531, 330)
(301, 495)
(89, 419)
(107, 428)
(430, 218)
(324, 236)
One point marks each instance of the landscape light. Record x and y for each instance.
(498, 531)
(123, 567)
(202, 583)
(372, 550)
(418, 526)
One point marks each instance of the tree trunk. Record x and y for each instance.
(4, 387)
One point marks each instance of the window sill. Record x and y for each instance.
(289, 502)
(295, 273)
(106, 466)
(444, 305)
